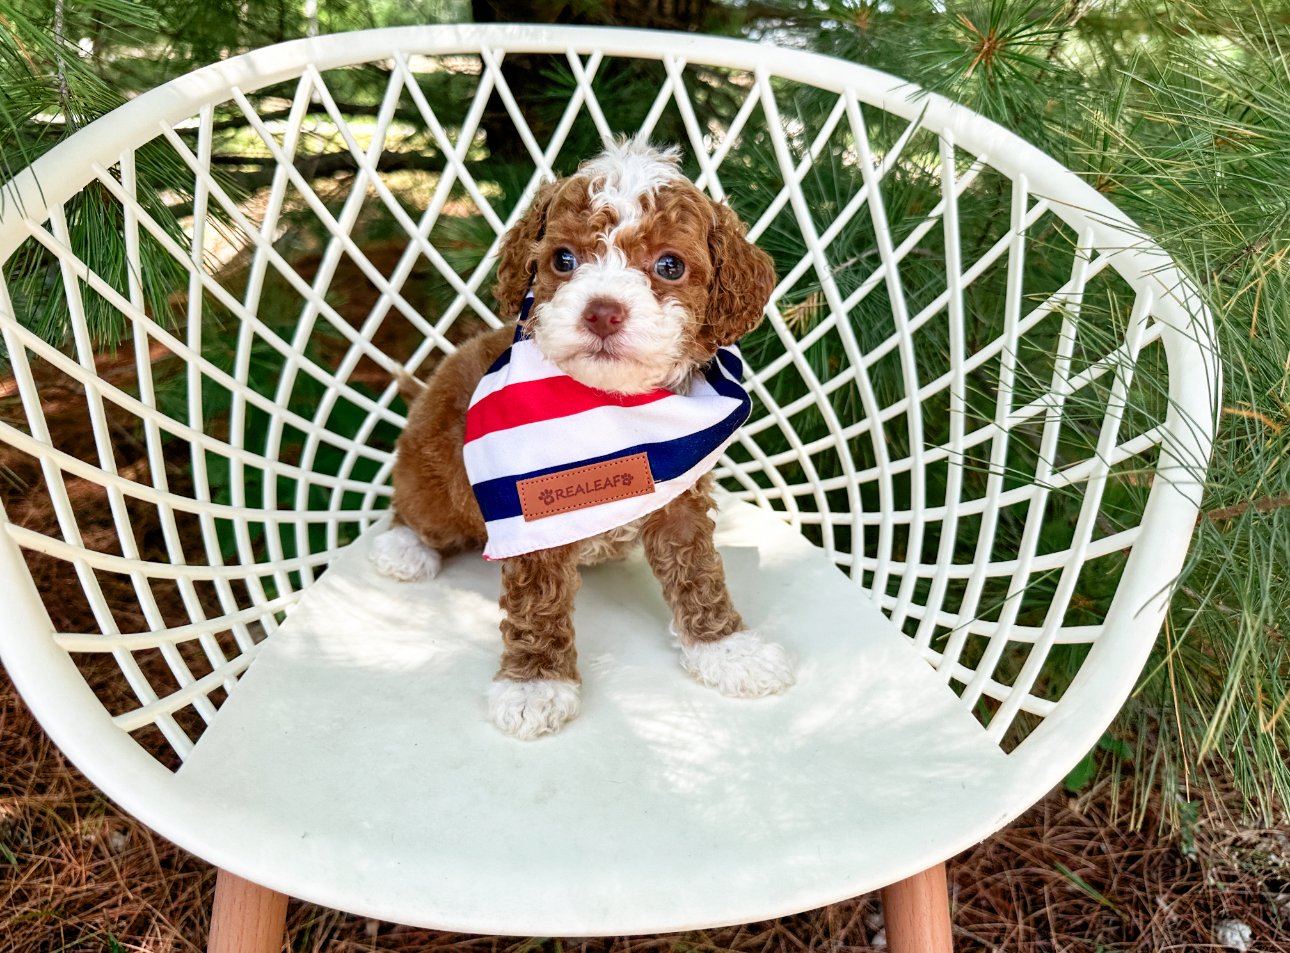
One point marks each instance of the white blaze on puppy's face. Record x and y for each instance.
(645, 354)
(622, 179)
(611, 321)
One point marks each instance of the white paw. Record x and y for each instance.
(528, 710)
(741, 665)
(400, 554)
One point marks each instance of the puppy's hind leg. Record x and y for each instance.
(716, 648)
(400, 553)
(435, 513)
(421, 536)
(430, 523)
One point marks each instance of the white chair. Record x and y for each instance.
(923, 536)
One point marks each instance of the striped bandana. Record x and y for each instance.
(553, 461)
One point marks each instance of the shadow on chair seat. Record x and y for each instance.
(354, 766)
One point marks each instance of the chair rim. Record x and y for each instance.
(81, 727)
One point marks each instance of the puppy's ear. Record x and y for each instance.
(517, 257)
(742, 280)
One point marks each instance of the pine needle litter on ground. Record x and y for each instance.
(78, 875)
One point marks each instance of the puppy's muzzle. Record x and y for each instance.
(604, 316)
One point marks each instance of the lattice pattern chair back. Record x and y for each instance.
(984, 472)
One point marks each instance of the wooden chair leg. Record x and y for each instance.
(916, 913)
(246, 918)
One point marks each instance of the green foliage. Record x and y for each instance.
(1081, 776)
(47, 88)
(1194, 144)
(1181, 115)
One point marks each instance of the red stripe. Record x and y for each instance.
(547, 399)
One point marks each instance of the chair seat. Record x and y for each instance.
(354, 764)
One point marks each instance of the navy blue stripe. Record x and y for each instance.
(722, 384)
(731, 362)
(499, 499)
(505, 357)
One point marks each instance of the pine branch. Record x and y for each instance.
(60, 41)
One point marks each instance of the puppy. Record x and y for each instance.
(636, 279)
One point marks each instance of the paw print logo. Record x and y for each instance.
(547, 497)
(627, 479)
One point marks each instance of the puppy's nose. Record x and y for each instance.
(605, 316)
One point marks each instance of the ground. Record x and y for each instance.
(78, 875)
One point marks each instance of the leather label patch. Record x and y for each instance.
(591, 485)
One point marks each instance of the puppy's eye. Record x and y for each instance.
(564, 260)
(669, 268)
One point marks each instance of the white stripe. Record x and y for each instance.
(533, 367)
(563, 441)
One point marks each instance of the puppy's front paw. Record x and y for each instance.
(528, 710)
(400, 554)
(741, 665)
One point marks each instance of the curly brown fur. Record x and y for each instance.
(678, 544)
(432, 493)
(744, 280)
(537, 629)
(722, 294)
(515, 257)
